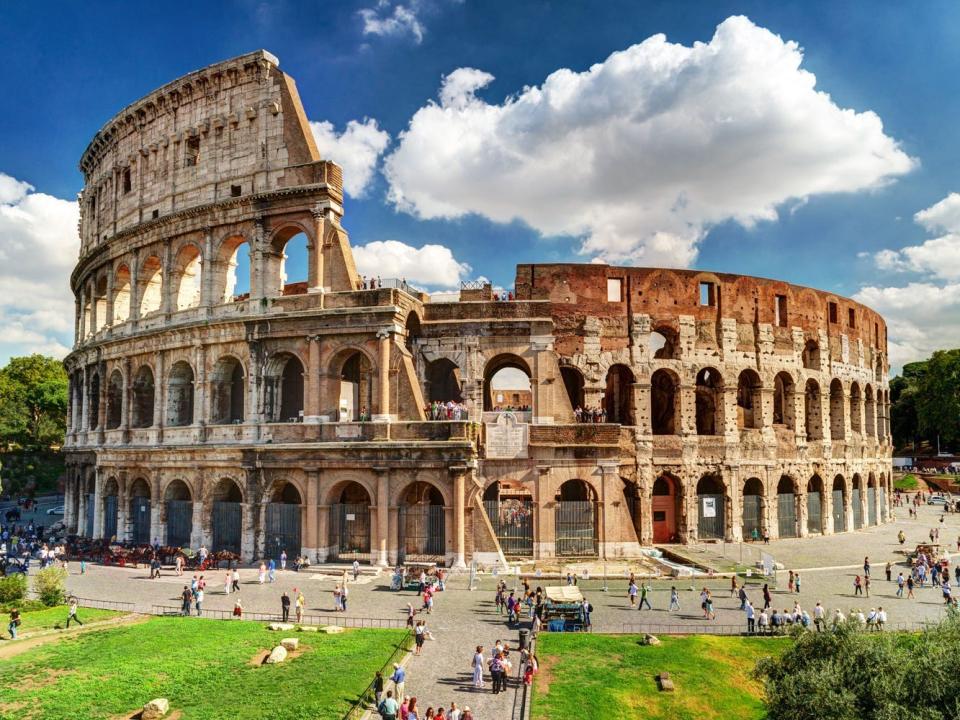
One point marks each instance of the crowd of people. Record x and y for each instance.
(449, 410)
(590, 415)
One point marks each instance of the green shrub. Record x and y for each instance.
(13, 588)
(23, 606)
(50, 585)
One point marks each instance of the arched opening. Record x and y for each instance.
(618, 396)
(812, 410)
(227, 515)
(753, 525)
(870, 413)
(180, 395)
(412, 333)
(506, 382)
(815, 505)
(288, 271)
(787, 507)
(749, 401)
(664, 402)
(811, 355)
(178, 514)
(356, 388)
(143, 394)
(188, 277)
(151, 286)
(422, 524)
(663, 343)
(350, 523)
(634, 501)
(90, 507)
(856, 408)
(856, 500)
(121, 295)
(511, 515)
(110, 492)
(233, 284)
(837, 431)
(573, 384)
(88, 317)
(882, 493)
(139, 512)
(93, 401)
(783, 400)
(100, 303)
(666, 509)
(871, 499)
(228, 392)
(443, 382)
(284, 511)
(283, 388)
(711, 508)
(709, 395)
(839, 504)
(114, 400)
(576, 520)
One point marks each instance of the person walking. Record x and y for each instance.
(238, 609)
(674, 599)
(72, 612)
(767, 597)
(910, 587)
(866, 566)
(272, 570)
(418, 636)
(866, 585)
(343, 596)
(262, 572)
(790, 582)
(283, 560)
(14, 623)
(399, 679)
(796, 581)
(186, 598)
(644, 592)
(198, 601)
(857, 586)
(818, 617)
(632, 593)
(900, 584)
(889, 570)
(388, 708)
(285, 607)
(356, 569)
(478, 668)
(227, 582)
(235, 579)
(751, 618)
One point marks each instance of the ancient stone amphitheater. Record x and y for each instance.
(215, 400)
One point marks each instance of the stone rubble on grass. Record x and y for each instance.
(277, 655)
(331, 629)
(281, 626)
(649, 639)
(666, 683)
(155, 709)
(308, 628)
(290, 643)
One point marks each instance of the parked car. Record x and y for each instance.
(936, 500)
(58, 510)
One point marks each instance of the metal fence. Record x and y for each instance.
(814, 510)
(109, 516)
(179, 522)
(576, 528)
(857, 509)
(512, 522)
(839, 516)
(787, 514)
(93, 604)
(283, 529)
(140, 520)
(421, 533)
(741, 629)
(227, 526)
(345, 621)
(349, 530)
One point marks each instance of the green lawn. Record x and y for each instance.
(203, 667)
(907, 483)
(614, 677)
(55, 617)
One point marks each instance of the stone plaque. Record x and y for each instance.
(506, 438)
(348, 431)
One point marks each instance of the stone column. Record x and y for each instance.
(77, 321)
(84, 403)
(257, 270)
(83, 509)
(642, 408)
(315, 253)
(323, 532)
(134, 268)
(207, 265)
(197, 535)
(200, 388)
(82, 322)
(848, 503)
(826, 502)
(312, 525)
(68, 494)
(97, 504)
(312, 410)
(159, 397)
(459, 526)
(102, 402)
(802, 513)
(166, 288)
(123, 504)
(383, 366)
(108, 320)
(125, 399)
(383, 514)
(607, 521)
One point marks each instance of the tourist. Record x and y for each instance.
(857, 586)
(478, 667)
(272, 570)
(767, 597)
(388, 708)
(632, 593)
(733, 585)
(238, 609)
(262, 572)
(866, 585)
(742, 596)
(399, 678)
(378, 688)
(235, 579)
(764, 622)
(866, 566)
(343, 596)
(418, 636)
(412, 709)
(178, 564)
(454, 713)
(285, 607)
(411, 613)
(497, 672)
(818, 618)
(283, 560)
(910, 587)
(790, 582)
(674, 599)
(227, 583)
(356, 570)
(467, 714)
(337, 599)
(300, 603)
(889, 570)
(15, 623)
(796, 581)
(900, 584)
(751, 618)
(644, 592)
(187, 598)
(881, 618)
(198, 600)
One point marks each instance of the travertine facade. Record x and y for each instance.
(202, 415)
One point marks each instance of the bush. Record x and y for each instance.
(50, 585)
(13, 588)
(23, 606)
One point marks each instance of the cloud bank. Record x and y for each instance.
(357, 150)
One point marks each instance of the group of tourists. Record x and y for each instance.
(299, 604)
(590, 415)
(449, 410)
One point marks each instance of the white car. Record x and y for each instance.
(58, 510)
(937, 500)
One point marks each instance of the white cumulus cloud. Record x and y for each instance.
(393, 20)
(38, 249)
(357, 150)
(642, 153)
(430, 265)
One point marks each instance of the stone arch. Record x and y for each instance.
(754, 506)
(226, 512)
(811, 355)
(287, 492)
(873, 499)
(109, 499)
(505, 397)
(283, 388)
(711, 507)
(232, 282)
(749, 400)
(709, 398)
(870, 412)
(121, 294)
(177, 512)
(143, 396)
(412, 332)
(290, 242)
(443, 381)
(93, 400)
(813, 410)
(356, 372)
(857, 497)
(187, 276)
(664, 343)
(856, 408)
(576, 525)
(837, 428)
(787, 518)
(839, 493)
(573, 383)
(139, 513)
(618, 395)
(284, 519)
(228, 391)
(352, 490)
(422, 521)
(180, 387)
(151, 286)
(783, 400)
(665, 408)
(815, 505)
(115, 400)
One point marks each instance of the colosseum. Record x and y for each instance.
(598, 410)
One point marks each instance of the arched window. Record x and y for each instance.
(753, 504)
(180, 395)
(813, 412)
(666, 508)
(232, 283)
(287, 267)
(839, 507)
(143, 393)
(356, 388)
(575, 521)
(443, 381)
(811, 355)
(856, 408)
(100, 303)
(815, 505)
(229, 392)
(507, 384)
(664, 410)
(749, 401)
(870, 413)
(709, 395)
(151, 286)
(837, 430)
(573, 384)
(121, 295)
(93, 401)
(283, 522)
(783, 404)
(283, 389)
(187, 277)
(114, 400)
(711, 508)
(618, 397)
(663, 343)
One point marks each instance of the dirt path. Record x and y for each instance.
(29, 641)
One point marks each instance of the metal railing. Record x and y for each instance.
(741, 629)
(367, 698)
(345, 621)
(93, 604)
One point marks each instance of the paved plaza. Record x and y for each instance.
(463, 618)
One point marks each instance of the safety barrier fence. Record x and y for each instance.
(345, 621)
(716, 629)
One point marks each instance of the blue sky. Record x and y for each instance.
(71, 66)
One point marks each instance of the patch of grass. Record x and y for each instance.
(55, 617)
(907, 483)
(201, 666)
(614, 677)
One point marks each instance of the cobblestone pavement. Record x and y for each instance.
(463, 618)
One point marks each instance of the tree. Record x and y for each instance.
(938, 397)
(33, 402)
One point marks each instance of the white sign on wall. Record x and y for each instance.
(709, 507)
(506, 438)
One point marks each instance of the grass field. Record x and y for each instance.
(614, 677)
(907, 483)
(205, 668)
(55, 617)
